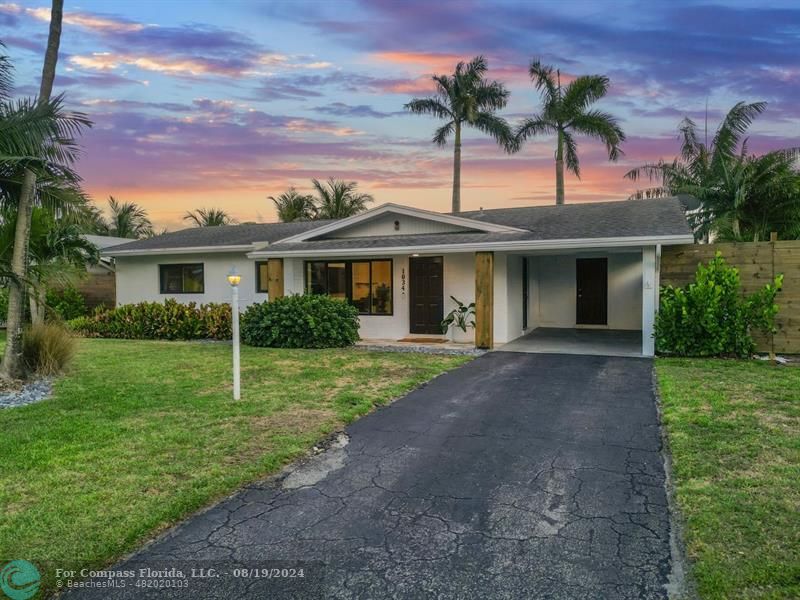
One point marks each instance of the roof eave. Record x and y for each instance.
(500, 246)
(186, 250)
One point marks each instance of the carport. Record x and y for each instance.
(594, 301)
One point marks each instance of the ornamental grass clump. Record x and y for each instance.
(711, 316)
(48, 348)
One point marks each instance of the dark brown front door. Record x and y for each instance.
(592, 284)
(426, 291)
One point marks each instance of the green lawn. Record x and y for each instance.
(734, 432)
(140, 434)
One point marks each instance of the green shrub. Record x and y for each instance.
(67, 303)
(310, 321)
(711, 317)
(156, 321)
(47, 348)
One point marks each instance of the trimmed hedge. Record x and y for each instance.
(307, 321)
(155, 321)
(711, 317)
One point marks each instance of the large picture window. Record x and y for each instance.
(181, 279)
(367, 284)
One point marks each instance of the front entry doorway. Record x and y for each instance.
(426, 294)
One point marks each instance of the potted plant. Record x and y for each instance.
(459, 321)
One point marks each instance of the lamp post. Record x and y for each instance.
(234, 278)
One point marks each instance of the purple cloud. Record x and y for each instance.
(340, 109)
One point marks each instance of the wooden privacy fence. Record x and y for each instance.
(758, 264)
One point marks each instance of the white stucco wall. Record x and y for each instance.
(138, 278)
(513, 298)
(459, 281)
(554, 302)
(533, 294)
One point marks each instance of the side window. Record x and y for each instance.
(262, 276)
(181, 279)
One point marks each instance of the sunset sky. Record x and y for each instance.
(201, 104)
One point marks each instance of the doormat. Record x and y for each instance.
(424, 340)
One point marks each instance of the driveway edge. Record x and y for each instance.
(680, 585)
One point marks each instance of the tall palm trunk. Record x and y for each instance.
(560, 169)
(13, 367)
(457, 169)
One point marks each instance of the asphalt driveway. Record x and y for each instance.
(515, 476)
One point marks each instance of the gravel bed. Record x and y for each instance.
(31, 392)
(426, 349)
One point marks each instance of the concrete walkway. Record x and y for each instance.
(600, 342)
(515, 476)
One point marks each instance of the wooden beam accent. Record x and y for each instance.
(484, 300)
(274, 278)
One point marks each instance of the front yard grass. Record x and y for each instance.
(734, 433)
(140, 434)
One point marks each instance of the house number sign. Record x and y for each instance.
(403, 281)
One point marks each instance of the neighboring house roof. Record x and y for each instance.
(105, 241)
(625, 222)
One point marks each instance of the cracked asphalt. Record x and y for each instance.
(514, 476)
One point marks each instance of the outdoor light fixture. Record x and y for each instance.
(234, 278)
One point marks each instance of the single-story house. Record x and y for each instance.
(590, 265)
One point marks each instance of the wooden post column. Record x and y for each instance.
(274, 278)
(484, 300)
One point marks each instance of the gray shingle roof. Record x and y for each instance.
(224, 235)
(652, 217)
(626, 218)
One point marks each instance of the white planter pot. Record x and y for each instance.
(460, 336)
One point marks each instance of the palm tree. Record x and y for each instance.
(209, 217)
(294, 206)
(337, 199)
(741, 196)
(565, 113)
(465, 99)
(57, 252)
(128, 220)
(52, 142)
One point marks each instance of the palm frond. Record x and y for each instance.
(602, 126)
(292, 206)
(429, 106)
(337, 199)
(495, 127)
(571, 154)
(735, 124)
(543, 77)
(584, 91)
(128, 220)
(6, 74)
(209, 217)
(534, 126)
(690, 143)
(441, 134)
